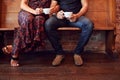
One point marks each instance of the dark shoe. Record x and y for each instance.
(78, 60)
(58, 59)
(14, 62)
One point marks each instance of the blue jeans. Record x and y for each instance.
(83, 23)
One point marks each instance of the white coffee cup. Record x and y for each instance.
(46, 10)
(68, 14)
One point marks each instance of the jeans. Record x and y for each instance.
(83, 23)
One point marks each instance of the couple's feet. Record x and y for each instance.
(57, 61)
(59, 58)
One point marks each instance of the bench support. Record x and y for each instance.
(2, 36)
(110, 43)
(1, 41)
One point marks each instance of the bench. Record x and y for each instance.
(102, 16)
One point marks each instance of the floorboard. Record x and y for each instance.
(37, 66)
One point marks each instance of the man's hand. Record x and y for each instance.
(60, 15)
(54, 9)
(73, 18)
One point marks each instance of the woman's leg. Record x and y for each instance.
(14, 60)
(22, 36)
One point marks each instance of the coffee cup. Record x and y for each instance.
(68, 14)
(46, 10)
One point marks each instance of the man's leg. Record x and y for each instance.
(86, 26)
(51, 26)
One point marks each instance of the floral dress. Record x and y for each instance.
(30, 34)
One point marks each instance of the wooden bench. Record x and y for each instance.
(101, 12)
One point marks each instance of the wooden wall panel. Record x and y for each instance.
(9, 20)
(100, 20)
(98, 5)
(102, 12)
(8, 13)
(10, 6)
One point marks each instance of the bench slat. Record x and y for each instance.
(64, 28)
(74, 28)
(7, 29)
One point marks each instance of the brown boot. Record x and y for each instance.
(58, 59)
(78, 60)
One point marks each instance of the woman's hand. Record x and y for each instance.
(60, 15)
(38, 11)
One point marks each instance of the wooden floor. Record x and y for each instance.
(37, 66)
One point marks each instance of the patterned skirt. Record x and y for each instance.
(30, 34)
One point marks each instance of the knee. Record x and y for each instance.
(22, 19)
(29, 18)
(89, 24)
(50, 24)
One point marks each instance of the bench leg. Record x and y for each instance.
(1, 41)
(110, 43)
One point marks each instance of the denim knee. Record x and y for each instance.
(88, 25)
(50, 24)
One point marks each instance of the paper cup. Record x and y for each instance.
(46, 10)
(68, 14)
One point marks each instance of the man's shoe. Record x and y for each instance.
(78, 60)
(58, 59)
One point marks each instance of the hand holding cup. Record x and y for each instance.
(68, 14)
(46, 10)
